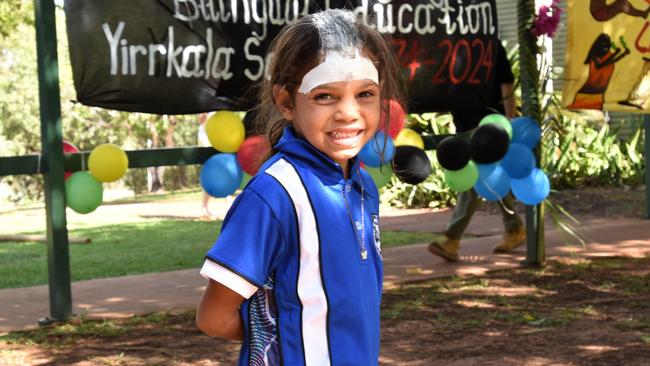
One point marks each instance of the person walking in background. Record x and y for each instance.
(503, 101)
(296, 272)
(203, 141)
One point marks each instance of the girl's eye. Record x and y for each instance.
(367, 94)
(323, 97)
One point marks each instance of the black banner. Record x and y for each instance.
(190, 56)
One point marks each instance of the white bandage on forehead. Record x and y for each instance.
(339, 67)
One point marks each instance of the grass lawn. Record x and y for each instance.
(116, 250)
(132, 248)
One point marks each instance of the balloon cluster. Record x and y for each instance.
(400, 153)
(497, 159)
(83, 190)
(239, 157)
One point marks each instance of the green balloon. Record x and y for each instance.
(244, 181)
(83, 193)
(463, 179)
(499, 119)
(381, 175)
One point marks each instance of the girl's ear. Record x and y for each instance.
(283, 101)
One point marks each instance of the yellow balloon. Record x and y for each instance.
(108, 163)
(409, 137)
(225, 131)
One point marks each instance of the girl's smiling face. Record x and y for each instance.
(337, 118)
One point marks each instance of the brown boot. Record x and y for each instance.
(511, 241)
(447, 249)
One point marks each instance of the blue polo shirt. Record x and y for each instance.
(292, 245)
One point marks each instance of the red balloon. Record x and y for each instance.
(251, 152)
(67, 149)
(397, 119)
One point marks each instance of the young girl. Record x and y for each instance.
(296, 273)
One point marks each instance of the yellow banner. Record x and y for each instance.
(608, 55)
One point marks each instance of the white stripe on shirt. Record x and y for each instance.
(310, 285)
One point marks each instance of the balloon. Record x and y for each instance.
(381, 176)
(68, 148)
(532, 189)
(526, 131)
(488, 143)
(411, 164)
(108, 163)
(463, 179)
(493, 183)
(225, 131)
(498, 119)
(453, 153)
(397, 119)
(251, 152)
(371, 153)
(409, 137)
(83, 193)
(519, 161)
(221, 175)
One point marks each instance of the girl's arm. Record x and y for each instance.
(217, 314)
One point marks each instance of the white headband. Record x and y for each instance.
(339, 67)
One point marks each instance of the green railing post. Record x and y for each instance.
(52, 163)
(646, 158)
(529, 75)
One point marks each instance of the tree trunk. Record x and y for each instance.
(154, 177)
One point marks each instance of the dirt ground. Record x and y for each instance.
(570, 313)
(582, 313)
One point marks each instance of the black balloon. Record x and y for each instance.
(489, 143)
(453, 153)
(411, 164)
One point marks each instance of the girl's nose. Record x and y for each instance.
(348, 110)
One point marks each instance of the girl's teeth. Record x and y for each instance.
(338, 135)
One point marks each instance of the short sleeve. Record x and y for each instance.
(249, 246)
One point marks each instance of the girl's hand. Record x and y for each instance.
(217, 314)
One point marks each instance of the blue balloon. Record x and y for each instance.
(493, 183)
(221, 175)
(533, 188)
(519, 161)
(526, 131)
(371, 153)
(486, 169)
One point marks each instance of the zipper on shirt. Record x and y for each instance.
(363, 253)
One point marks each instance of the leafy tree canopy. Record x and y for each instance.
(13, 13)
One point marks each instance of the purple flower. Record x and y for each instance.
(547, 20)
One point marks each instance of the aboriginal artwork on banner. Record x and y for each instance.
(608, 58)
(191, 56)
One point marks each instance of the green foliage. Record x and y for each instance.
(85, 127)
(580, 151)
(14, 13)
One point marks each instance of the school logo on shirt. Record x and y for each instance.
(375, 233)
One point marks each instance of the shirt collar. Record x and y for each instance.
(322, 165)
